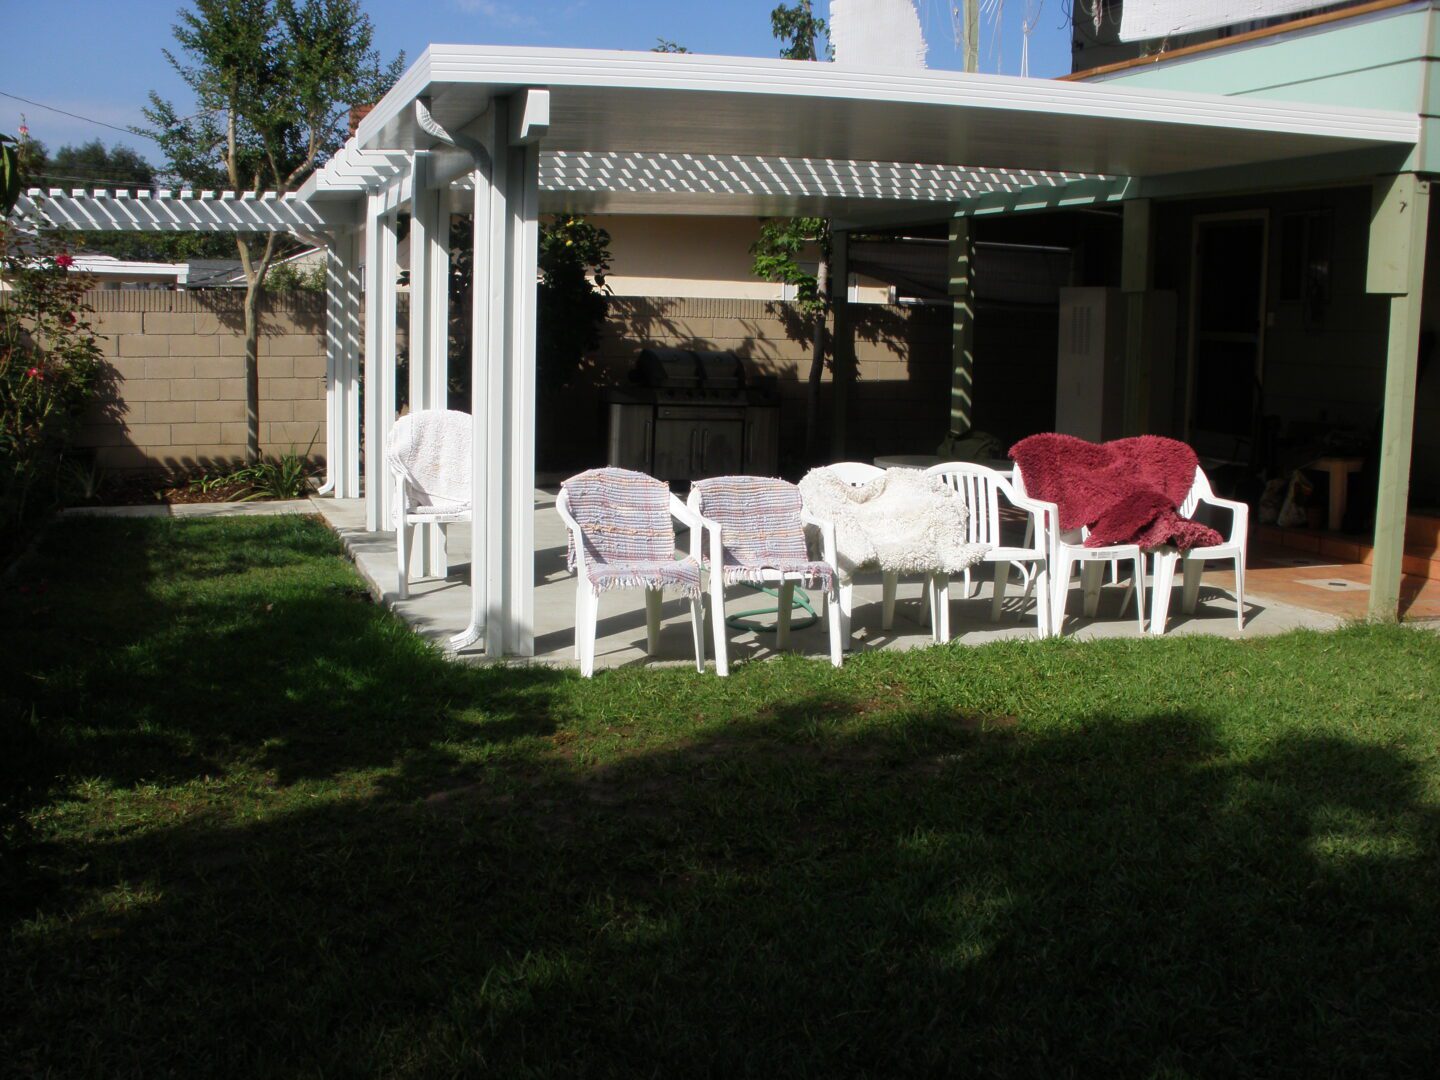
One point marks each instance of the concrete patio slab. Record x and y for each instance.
(439, 608)
(199, 510)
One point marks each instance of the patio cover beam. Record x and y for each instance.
(180, 211)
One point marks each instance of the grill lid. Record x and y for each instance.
(713, 369)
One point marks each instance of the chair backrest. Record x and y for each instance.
(623, 516)
(430, 449)
(759, 517)
(978, 488)
(1199, 490)
(855, 473)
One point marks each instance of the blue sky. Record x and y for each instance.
(101, 58)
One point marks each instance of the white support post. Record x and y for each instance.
(495, 522)
(502, 395)
(525, 245)
(350, 337)
(342, 366)
(437, 337)
(334, 377)
(385, 334)
(484, 276)
(422, 221)
(374, 469)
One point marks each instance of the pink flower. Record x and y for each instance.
(35, 373)
(64, 261)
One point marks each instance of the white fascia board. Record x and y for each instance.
(460, 79)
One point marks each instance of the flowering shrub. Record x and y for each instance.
(50, 369)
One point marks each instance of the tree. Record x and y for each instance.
(782, 242)
(799, 27)
(666, 45)
(273, 83)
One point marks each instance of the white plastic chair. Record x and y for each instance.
(980, 488)
(856, 473)
(1068, 550)
(785, 581)
(414, 504)
(1193, 561)
(587, 600)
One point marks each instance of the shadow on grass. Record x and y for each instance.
(772, 904)
(818, 883)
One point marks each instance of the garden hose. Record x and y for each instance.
(741, 620)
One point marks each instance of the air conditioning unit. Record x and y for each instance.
(1090, 367)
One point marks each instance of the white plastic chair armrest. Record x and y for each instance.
(562, 507)
(1240, 517)
(828, 547)
(697, 523)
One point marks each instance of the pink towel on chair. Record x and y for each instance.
(1125, 492)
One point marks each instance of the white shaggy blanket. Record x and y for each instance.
(431, 450)
(901, 521)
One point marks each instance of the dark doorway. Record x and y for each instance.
(1227, 334)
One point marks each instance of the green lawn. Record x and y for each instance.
(252, 827)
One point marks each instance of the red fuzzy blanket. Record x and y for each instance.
(1126, 491)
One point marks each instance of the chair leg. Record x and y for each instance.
(1002, 579)
(786, 593)
(697, 631)
(1162, 585)
(1193, 569)
(1060, 587)
(1240, 592)
(837, 637)
(927, 603)
(1140, 591)
(847, 610)
(1044, 622)
(888, 590)
(588, 605)
(972, 586)
(579, 616)
(1091, 574)
(940, 585)
(718, 630)
(653, 600)
(403, 535)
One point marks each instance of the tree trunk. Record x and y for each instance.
(253, 294)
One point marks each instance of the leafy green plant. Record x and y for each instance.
(287, 277)
(208, 483)
(284, 477)
(50, 371)
(81, 479)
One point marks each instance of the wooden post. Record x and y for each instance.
(843, 343)
(962, 334)
(1136, 269)
(1399, 221)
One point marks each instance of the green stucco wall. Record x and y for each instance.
(1377, 61)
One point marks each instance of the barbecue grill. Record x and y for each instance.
(689, 414)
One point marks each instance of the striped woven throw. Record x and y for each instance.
(624, 520)
(761, 530)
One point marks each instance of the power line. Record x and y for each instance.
(77, 116)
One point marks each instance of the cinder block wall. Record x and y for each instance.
(177, 398)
